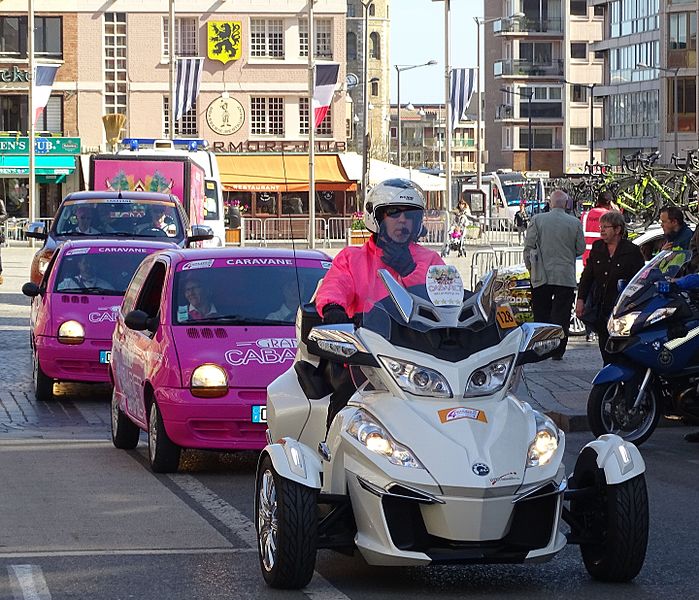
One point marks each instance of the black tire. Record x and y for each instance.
(43, 384)
(606, 413)
(287, 551)
(163, 453)
(125, 432)
(624, 530)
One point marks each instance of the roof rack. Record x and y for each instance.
(190, 144)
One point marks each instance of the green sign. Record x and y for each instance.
(42, 145)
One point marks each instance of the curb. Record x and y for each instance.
(571, 423)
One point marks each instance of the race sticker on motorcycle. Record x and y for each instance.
(505, 317)
(454, 414)
(444, 285)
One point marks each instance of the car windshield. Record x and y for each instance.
(99, 271)
(665, 265)
(244, 291)
(119, 217)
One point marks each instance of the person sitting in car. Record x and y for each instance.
(199, 305)
(156, 219)
(287, 311)
(86, 278)
(85, 221)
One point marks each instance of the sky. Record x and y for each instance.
(417, 36)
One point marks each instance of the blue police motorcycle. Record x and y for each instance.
(655, 338)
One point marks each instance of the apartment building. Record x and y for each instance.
(540, 70)
(114, 58)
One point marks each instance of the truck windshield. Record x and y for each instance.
(120, 217)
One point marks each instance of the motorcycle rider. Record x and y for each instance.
(393, 212)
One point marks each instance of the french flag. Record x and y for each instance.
(43, 83)
(326, 80)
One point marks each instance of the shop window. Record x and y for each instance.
(266, 204)
(294, 203)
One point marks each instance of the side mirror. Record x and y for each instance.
(621, 284)
(200, 233)
(36, 230)
(31, 289)
(539, 342)
(140, 321)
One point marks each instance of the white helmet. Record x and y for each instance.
(392, 192)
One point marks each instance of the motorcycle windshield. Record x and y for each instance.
(411, 289)
(665, 265)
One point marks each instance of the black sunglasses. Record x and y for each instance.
(394, 211)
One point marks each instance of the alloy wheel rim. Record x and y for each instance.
(152, 432)
(610, 402)
(267, 522)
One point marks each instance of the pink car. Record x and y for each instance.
(75, 308)
(200, 335)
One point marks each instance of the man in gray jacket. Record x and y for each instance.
(553, 241)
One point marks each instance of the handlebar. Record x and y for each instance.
(638, 162)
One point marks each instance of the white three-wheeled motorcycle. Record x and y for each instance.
(433, 459)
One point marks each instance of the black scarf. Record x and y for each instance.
(395, 255)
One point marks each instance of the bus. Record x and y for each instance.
(505, 191)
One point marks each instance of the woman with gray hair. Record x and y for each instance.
(612, 258)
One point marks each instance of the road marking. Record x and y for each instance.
(28, 582)
(319, 588)
(125, 552)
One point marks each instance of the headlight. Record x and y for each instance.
(489, 379)
(417, 380)
(544, 444)
(621, 326)
(209, 381)
(371, 434)
(660, 314)
(71, 332)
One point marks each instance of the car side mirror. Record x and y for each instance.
(139, 320)
(36, 230)
(200, 233)
(31, 289)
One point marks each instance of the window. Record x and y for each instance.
(580, 93)
(599, 54)
(578, 136)
(187, 123)
(578, 50)
(267, 115)
(185, 36)
(351, 46)
(351, 9)
(544, 138)
(578, 8)
(375, 45)
(115, 98)
(51, 118)
(537, 53)
(13, 113)
(323, 35)
(372, 10)
(326, 125)
(374, 88)
(632, 115)
(686, 104)
(267, 38)
(682, 39)
(48, 39)
(599, 10)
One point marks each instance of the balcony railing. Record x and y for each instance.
(524, 68)
(505, 111)
(527, 25)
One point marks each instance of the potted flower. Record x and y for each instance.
(357, 233)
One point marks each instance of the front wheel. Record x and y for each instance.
(43, 384)
(577, 327)
(287, 528)
(163, 453)
(608, 411)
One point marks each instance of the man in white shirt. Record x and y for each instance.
(287, 311)
(85, 279)
(199, 299)
(83, 214)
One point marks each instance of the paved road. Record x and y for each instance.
(81, 520)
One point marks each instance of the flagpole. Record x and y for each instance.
(311, 131)
(447, 105)
(172, 65)
(33, 212)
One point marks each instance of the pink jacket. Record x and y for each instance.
(353, 276)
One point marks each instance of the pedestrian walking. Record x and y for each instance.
(3, 218)
(521, 222)
(612, 258)
(552, 243)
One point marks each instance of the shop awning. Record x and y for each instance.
(277, 173)
(44, 165)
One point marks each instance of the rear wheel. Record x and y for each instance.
(608, 412)
(43, 384)
(287, 528)
(125, 433)
(163, 453)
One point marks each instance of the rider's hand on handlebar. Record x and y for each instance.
(666, 287)
(334, 313)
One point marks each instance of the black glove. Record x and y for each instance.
(334, 313)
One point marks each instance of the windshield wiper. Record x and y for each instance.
(231, 320)
(92, 290)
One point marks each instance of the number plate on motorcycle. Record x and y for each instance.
(259, 414)
(505, 317)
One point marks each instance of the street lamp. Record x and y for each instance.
(674, 72)
(530, 141)
(365, 142)
(591, 91)
(399, 70)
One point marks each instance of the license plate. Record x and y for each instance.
(259, 414)
(105, 357)
(505, 317)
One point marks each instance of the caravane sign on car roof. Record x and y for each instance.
(118, 201)
(215, 263)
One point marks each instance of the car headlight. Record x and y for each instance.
(71, 332)
(489, 379)
(415, 379)
(621, 326)
(660, 314)
(371, 434)
(43, 260)
(544, 444)
(209, 381)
